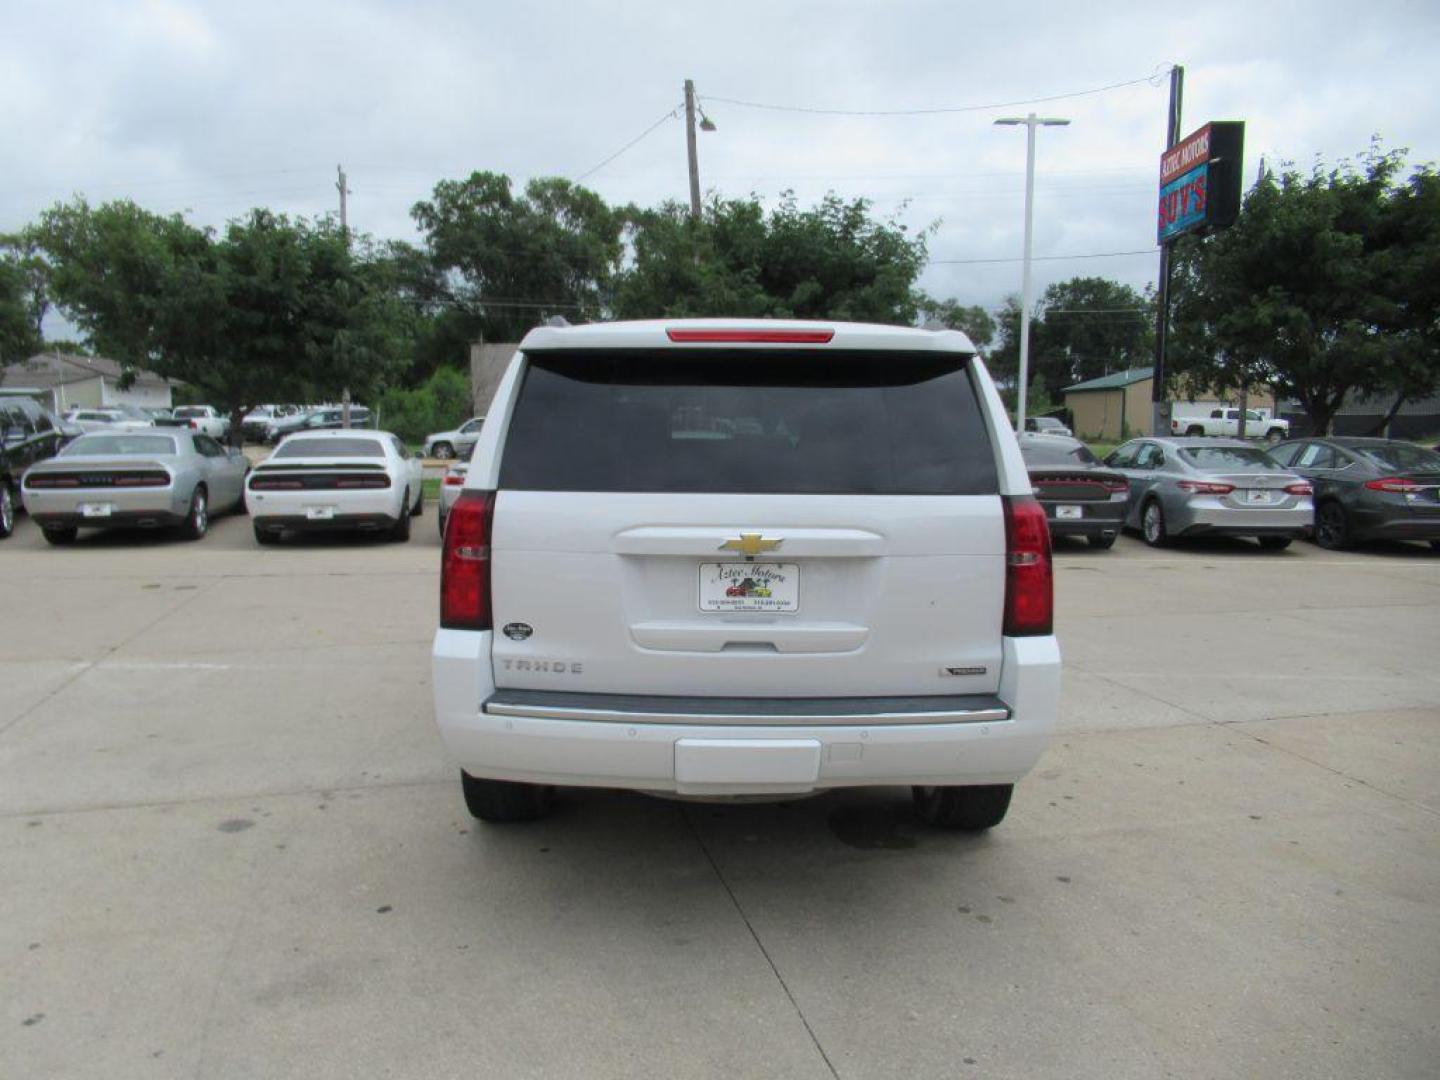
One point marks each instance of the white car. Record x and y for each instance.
(450, 488)
(205, 419)
(455, 444)
(107, 419)
(329, 480)
(716, 558)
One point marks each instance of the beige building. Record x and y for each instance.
(1116, 407)
(60, 381)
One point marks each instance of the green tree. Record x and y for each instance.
(1325, 286)
(23, 298)
(505, 262)
(273, 309)
(831, 261)
(976, 323)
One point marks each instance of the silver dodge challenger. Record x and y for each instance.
(171, 478)
(1211, 487)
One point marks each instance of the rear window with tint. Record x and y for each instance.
(1402, 457)
(754, 422)
(1056, 451)
(330, 448)
(121, 444)
(1228, 457)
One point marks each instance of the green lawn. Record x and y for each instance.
(432, 487)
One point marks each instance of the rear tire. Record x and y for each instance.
(1194, 430)
(266, 536)
(400, 533)
(971, 809)
(197, 521)
(1332, 527)
(7, 510)
(1102, 543)
(419, 507)
(1152, 524)
(1274, 435)
(502, 801)
(60, 535)
(1274, 543)
(442, 451)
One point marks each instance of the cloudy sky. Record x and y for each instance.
(209, 108)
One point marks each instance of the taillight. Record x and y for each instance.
(1395, 485)
(1203, 487)
(363, 482)
(1117, 487)
(465, 563)
(738, 336)
(194, 425)
(454, 479)
(1029, 580)
(1299, 489)
(274, 483)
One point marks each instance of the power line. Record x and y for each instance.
(673, 114)
(1042, 258)
(1150, 78)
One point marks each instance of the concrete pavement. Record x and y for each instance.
(232, 846)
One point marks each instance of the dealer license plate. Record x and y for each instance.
(1067, 513)
(96, 510)
(319, 513)
(736, 586)
(1257, 495)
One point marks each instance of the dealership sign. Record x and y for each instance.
(1200, 180)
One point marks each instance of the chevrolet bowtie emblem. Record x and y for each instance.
(750, 544)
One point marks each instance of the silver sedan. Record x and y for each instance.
(1211, 487)
(166, 478)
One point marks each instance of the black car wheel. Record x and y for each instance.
(1274, 435)
(442, 450)
(1274, 543)
(1332, 527)
(7, 510)
(266, 536)
(969, 808)
(1104, 543)
(501, 801)
(400, 532)
(197, 521)
(1152, 524)
(60, 535)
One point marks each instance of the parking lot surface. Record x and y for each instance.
(231, 846)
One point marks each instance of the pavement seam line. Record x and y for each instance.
(160, 804)
(754, 936)
(93, 664)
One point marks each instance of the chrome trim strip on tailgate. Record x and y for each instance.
(658, 709)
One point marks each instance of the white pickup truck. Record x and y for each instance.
(1226, 422)
(205, 419)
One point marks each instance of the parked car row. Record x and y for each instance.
(1337, 490)
(178, 478)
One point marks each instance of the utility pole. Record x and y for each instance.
(690, 148)
(1031, 122)
(344, 231)
(1162, 300)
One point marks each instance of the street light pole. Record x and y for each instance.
(1031, 122)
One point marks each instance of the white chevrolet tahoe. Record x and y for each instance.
(713, 558)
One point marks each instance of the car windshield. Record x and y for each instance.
(1228, 457)
(1402, 457)
(124, 445)
(1056, 451)
(331, 448)
(187, 412)
(131, 412)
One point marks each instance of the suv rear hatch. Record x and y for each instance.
(748, 523)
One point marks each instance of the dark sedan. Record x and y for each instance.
(1368, 489)
(1080, 496)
